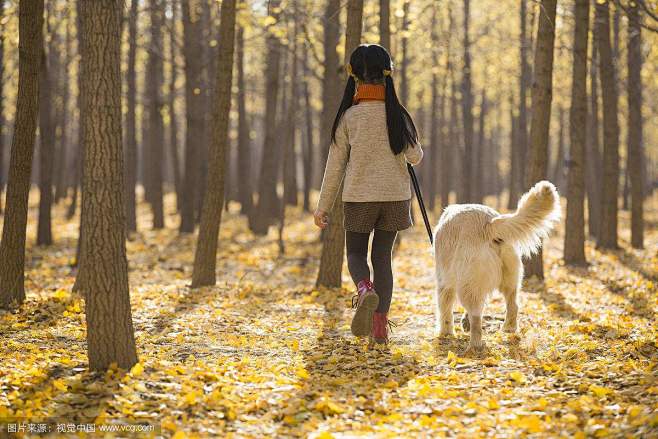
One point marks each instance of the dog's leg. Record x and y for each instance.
(473, 302)
(509, 286)
(445, 302)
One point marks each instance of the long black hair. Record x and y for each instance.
(371, 63)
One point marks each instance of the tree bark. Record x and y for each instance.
(131, 121)
(574, 236)
(557, 173)
(268, 200)
(173, 118)
(62, 172)
(110, 336)
(384, 24)
(542, 92)
(593, 153)
(193, 111)
(2, 113)
(331, 259)
(635, 168)
(308, 143)
(467, 112)
(404, 53)
(522, 123)
(205, 257)
(12, 246)
(436, 125)
(448, 148)
(156, 103)
(290, 154)
(610, 186)
(46, 153)
(244, 142)
(480, 154)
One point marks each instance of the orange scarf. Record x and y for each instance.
(369, 92)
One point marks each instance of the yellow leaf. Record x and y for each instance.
(493, 404)
(517, 377)
(325, 435)
(530, 423)
(137, 370)
(302, 373)
(600, 391)
(179, 435)
(60, 385)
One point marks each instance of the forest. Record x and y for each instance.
(160, 271)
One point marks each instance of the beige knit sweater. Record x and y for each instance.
(363, 156)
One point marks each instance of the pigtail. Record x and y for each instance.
(346, 103)
(401, 128)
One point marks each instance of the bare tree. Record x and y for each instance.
(268, 199)
(131, 125)
(384, 23)
(154, 85)
(46, 151)
(205, 257)
(193, 110)
(541, 110)
(2, 114)
(610, 186)
(12, 246)
(635, 168)
(574, 237)
(110, 335)
(171, 104)
(593, 153)
(467, 111)
(244, 142)
(331, 259)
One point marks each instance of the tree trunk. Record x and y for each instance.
(610, 185)
(467, 112)
(193, 111)
(110, 336)
(447, 148)
(156, 103)
(513, 195)
(331, 260)
(308, 144)
(480, 155)
(244, 141)
(46, 153)
(62, 172)
(131, 123)
(541, 110)
(557, 172)
(384, 24)
(290, 155)
(2, 114)
(522, 145)
(436, 125)
(332, 74)
(173, 119)
(205, 257)
(12, 247)
(635, 168)
(593, 153)
(268, 199)
(404, 54)
(574, 236)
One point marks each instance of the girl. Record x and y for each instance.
(373, 138)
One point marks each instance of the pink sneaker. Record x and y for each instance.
(365, 302)
(380, 326)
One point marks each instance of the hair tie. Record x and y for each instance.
(348, 69)
(386, 72)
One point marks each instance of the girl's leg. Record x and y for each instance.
(357, 255)
(382, 246)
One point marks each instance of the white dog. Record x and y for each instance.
(478, 250)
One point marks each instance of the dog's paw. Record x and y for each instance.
(476, 349)
(446, 332)
(510, 327)
(466, 323)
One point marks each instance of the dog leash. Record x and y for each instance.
(421, 203)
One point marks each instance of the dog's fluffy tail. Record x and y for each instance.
(536, 214)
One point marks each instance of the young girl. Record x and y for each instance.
(373, 138)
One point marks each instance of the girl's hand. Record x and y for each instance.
(321, 218)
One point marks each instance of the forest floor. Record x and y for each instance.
(265, 353)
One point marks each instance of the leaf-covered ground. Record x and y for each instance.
(264, 353)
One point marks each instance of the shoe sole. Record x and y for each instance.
(362, 320)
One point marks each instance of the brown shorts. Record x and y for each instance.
(363, 217)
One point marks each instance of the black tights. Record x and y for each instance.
(380, 256)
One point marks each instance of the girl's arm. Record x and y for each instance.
(414, 155)
(339, 153)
